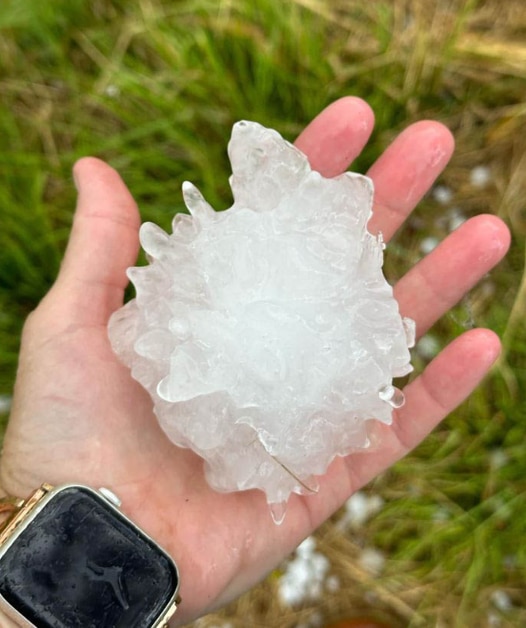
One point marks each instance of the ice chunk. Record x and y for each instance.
(304, 576)
(480, 176)
(267, 334)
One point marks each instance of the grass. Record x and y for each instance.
(154, 87)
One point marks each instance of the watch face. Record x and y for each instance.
(79, 563)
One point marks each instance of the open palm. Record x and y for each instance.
(79, 417)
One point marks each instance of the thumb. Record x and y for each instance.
(103, 243)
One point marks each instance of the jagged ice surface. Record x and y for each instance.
(267, 334)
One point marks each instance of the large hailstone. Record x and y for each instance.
(267, 335)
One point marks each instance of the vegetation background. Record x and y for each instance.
(154, 86)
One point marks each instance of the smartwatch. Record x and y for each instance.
(69, 558)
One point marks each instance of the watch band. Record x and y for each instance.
(17, 509)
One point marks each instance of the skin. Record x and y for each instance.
(79, 417)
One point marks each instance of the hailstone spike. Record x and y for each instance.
(410, 331)
(196, 203)
(267, 335)
(393, 396)
(153, 239)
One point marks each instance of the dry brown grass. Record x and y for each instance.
(460, 61)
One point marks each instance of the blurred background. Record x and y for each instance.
(154, 86)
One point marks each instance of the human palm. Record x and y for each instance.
(79, 417)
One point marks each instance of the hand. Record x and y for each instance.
(79, 417)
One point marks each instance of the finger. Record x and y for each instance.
(337, 135)
(103, 243)
(446, 382)
(406, 171)
(442, 278)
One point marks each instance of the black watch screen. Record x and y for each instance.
(80, 563)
